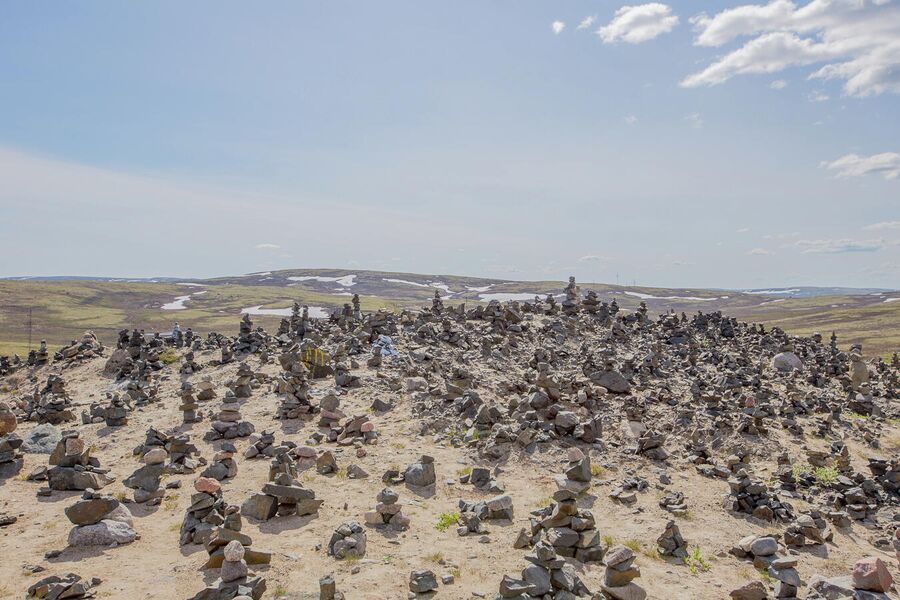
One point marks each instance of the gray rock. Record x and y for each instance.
(104, 533)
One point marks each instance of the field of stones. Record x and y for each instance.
(534, 448)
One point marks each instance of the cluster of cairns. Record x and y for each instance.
(503, 379)
(86, 348)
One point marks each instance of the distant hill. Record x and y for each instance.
(62, 308)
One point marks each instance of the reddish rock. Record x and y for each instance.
(208, 485)
(871, 574)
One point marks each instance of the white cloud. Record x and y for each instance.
(557, 27)
(587, 22)
(637, 24)
(839, 246)
(593, 258)
(857, 40)
(631, 119)
(884, 225)
(695, 119)
(743, 230)
(267, 246)
(853, 165)
(817, 96)
(760, 252)
(778, 84)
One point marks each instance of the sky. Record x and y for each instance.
(683, 144)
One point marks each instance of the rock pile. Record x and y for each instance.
(547, 575)
(293, 385)
(73, 467)
(228, 424)
(421, 473)
(571, 531)
(11, 459)
(99, 521)
(753, 497)
(189, 404)
(348, 540)
(577, 477)
(54, 587)
(51, 404)
(387, 511)
(670, 543)
(183, 456)
(620, 573)
(114, 413)
(223, 465)
(284, 496)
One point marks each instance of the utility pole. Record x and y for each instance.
(29, 329)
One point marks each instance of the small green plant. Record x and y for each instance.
(597, 470)
(685, 515)
(608, 540)
(464, 471)
(120, 496)
(168, 356)
(854, 416)
(280, 590)
(545, 502)
(341, 472)
(434, 557)
(456, 572)
(825, 475)
(764, 575)
(388, 559)
(446, 520)
(170, 502)
(695, 561)
(633, 545)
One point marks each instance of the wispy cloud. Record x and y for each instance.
(267, 246)
(587, 22)
(818, 96)
(557, 27)
(743, 230)
(638, 24)
(854, 165)
(883, 226)
(841, 246)
(856, 41)
(695, 120)
(760, 252)
(593, 258)
(631, 119)
(778, 84)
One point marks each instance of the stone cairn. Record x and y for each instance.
(570, 305)
(51, 404)
(189, 404)
(223, 465)
(183, 456)
(753, 497)
(85, 348)
(763, 550)
(241, 386)
(472, 515)
(546, 575)
(263, 445)
(73, 468)
(99, 520)
(283, 496)
(69, 586)
(348, 541)
(234, 577)
(670, 543)
(387, 511)
(228, 424)
(207, 390)
(481, 478)
(293, 385)
(114, 413)
(577, 477)
(189, 365)
(620, 573)
(571, 531)
(38, 357)
(11, 459)
(146, 479)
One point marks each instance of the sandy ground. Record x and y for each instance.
(156, 567)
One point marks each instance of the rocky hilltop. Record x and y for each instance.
(555, 447)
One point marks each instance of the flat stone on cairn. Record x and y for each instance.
(73, 467)
(228, 423)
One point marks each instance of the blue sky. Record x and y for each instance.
(715, 144)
